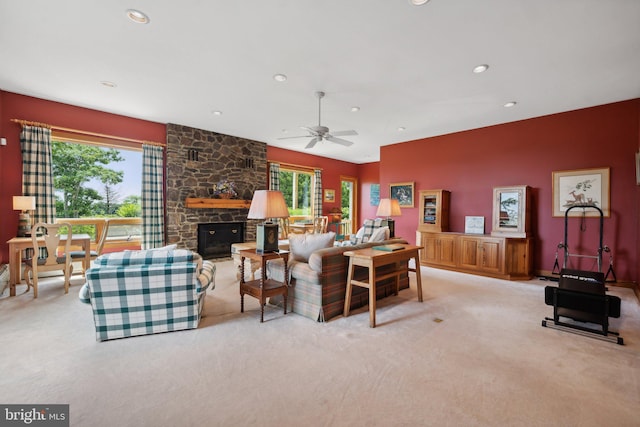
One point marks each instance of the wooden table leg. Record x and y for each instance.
(14, 269)
(416, 259)
(372, 295)
(347, 297)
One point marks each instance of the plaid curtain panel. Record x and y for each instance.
(37, 171)
(274, 176)
(152, 202)
(317, 194)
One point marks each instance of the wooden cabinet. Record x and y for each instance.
(502, 257)
(481, 253)
(437, 248)
(434, 210)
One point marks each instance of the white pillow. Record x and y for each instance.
(303, 245)
(379, 235)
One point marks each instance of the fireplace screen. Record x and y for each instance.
(215, 238)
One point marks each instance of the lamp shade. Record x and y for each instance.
(389, 207)
(24, 203)
(268, 204)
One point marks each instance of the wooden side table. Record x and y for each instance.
(263, 288)
(372, 258)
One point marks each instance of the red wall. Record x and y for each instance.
(368, 173)
(471, 163)
(14, 106)
(332, 170)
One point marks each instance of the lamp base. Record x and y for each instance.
(24, 225)
(392, 227)
(267, 237)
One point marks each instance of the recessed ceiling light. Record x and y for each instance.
(510, 104)
(137, 16)
(279, 77)
(217, 113)
(480, 68)
(355, 109)
(401, 128)
(418, 2)
(108, 83)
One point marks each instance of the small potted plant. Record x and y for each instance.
(224, 189)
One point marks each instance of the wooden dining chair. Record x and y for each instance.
(320, 224)
(102, 237)
(46, 239)
(284, 228)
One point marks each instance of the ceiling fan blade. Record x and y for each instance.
(291, 137)
(310, 130)
(344, 133)
(338, 140)
(312, 142)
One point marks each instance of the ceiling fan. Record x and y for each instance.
(319, 133)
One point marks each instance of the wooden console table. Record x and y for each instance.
(372, 258)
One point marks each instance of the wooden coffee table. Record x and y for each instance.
(372, 258)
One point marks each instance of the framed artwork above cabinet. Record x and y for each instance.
(511, 211)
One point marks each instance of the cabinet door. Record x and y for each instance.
(447, 250)
(491, 255)
(518, 257)
(469, 252)
(430, 251)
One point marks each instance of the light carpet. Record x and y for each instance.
(472, 354)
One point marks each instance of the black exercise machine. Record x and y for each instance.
(581, 295)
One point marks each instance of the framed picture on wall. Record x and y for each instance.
(329, 196)
(403, 192)
(578, 188)
(374, 194)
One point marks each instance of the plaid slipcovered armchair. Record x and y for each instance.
(147, 292)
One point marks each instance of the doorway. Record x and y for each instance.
(348, 203)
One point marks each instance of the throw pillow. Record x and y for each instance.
(379, 234)
(369, 226)
(303, 245)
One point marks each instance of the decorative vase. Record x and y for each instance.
(225, 195)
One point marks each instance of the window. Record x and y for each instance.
(297, 187)
(94, 181)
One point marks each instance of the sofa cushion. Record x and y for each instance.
(303, 245)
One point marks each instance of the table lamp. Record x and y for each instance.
(25, 204)
(388, 208)
(267, 204)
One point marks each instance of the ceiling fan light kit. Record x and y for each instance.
(320, 133)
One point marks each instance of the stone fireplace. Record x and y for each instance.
(196, 160)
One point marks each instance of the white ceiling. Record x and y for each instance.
(403, 65)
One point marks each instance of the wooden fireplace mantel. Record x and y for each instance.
(196, 202)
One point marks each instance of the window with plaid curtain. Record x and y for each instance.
(317, 193)
(152, 201)
(274, 176)
(37, 171)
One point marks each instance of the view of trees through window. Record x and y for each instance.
(297, 188)
(93, 181)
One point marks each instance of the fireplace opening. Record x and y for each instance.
(215, 238)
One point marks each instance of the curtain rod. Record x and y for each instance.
(84, 132)
(291, 165)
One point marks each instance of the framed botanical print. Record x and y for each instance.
(581, 188)
(403, 192)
